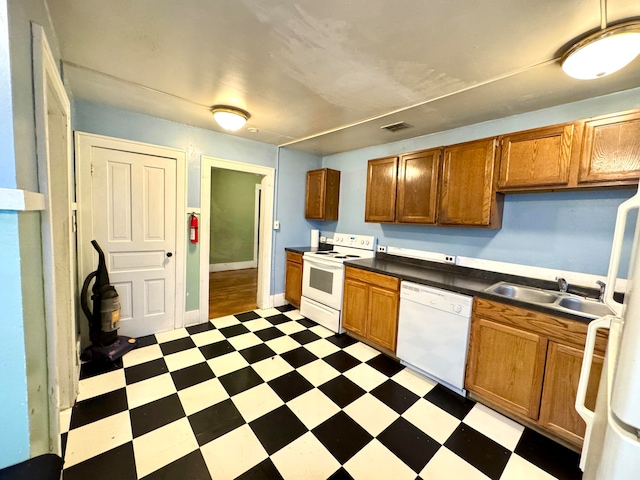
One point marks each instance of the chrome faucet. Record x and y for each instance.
(562, 284)
(603, 286)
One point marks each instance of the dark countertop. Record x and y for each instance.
(467, 281)
(464, 280)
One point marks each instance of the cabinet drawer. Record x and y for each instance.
(294, 257)
(383, 281)
(555, 328)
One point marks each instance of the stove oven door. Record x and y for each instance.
(322, 281)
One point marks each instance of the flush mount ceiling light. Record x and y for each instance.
(230, 118)
(604, 52)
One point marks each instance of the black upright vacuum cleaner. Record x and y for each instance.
(105, 317)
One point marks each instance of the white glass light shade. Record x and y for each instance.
(603, 53)
(230, 118)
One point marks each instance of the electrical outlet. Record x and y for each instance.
(450, 259)
(276, 224)
(382, 248)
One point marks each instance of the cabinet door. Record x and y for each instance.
(354, 306)
(536, 158)
(611, 149)
(382, 317)
(293, 283)
(557, 410)
(417, 187)
(381, 190)
(316, 194)
(506, 366)
(467, 193)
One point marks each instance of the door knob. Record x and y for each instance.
(169, 254)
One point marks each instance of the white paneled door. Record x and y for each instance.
(134, 221)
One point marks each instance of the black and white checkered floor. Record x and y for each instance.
(269, 395)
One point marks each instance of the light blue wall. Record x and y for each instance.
(294, 228)
(102, 119)
(566, 230)
(14, 440)
(290, 172)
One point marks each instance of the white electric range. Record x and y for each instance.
(323, 278)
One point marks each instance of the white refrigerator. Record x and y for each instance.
(611, 448)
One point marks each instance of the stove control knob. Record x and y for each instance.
(361, 242)
(457, 308)
(367, 242)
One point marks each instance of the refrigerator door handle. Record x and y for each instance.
(616, 251)
(585, 372)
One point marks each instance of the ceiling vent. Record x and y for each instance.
(394, 127)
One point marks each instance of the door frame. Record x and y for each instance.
(62, 369)
(85, 143)
(256, 222)
(264, 299)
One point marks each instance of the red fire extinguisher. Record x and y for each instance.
(193, 228)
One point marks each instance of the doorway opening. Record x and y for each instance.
(236, 206)
(234, 226)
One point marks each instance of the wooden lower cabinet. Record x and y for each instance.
(293, 279)
(355, 306)
(382, 316)
(370, 306)
(557, 410)
(528, 364)
(506, 365)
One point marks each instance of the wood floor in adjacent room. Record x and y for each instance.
(233, 291)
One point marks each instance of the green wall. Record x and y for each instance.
(232, 216)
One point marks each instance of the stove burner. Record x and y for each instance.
(340, 256)
(353, 256)
(322, 253)
(332, 251)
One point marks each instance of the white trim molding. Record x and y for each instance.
(264, 299)
(278, 300)
(191, 317)
(14, 199)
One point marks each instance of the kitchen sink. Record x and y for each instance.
(584, 305)
(525, 294)
(555, 300)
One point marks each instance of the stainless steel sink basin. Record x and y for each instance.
(582, 305)
(522, 293)
(554, 300)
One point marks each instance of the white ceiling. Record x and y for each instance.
(323, 76)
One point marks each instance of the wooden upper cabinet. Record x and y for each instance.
(506, 366)
(557, 409)
(611, 150)
(536, 158)
(418, 187)
(323, 194)
(382, 177)
(467, 187)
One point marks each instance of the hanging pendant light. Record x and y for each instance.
(230, 118)
(604, 52)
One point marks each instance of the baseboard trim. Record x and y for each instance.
(192, 317)
(278, 300)
(222, 267)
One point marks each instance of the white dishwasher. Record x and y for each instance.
(433, 333)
